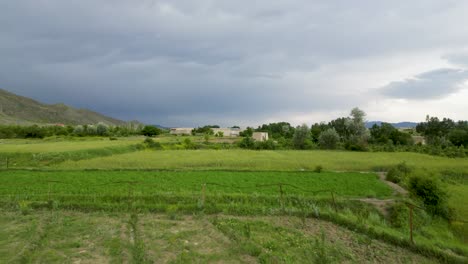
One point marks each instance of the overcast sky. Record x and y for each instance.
(188, 63)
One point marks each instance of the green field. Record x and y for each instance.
(281, 160)
(241, 206)
(190, 182)
(62, 145)
(99, 237)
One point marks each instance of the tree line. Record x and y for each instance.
(99, 129)
(443, 137)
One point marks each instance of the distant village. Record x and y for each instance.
(225, 131)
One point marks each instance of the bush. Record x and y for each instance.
(318, 169)
(430, 191)
(329, 139)
(150, 143)
(394, 175)
(398, 173)
(247, 143)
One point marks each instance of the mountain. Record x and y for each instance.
(396, 125)
(15, 109)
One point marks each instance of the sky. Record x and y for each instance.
(192, 63)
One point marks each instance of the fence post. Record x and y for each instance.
(281, 196)
(48, 192)
(203, 198)
(334, 202)
(130, 194)
(411, 222)
(7, 162)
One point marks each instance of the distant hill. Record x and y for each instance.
(15, 109)
(396, 125)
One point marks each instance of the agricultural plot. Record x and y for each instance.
(237, 159)
(44, 146)
(236, 195)
(334, 197)
(99, 237)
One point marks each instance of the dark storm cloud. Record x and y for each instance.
(194, 62)
(433, 84)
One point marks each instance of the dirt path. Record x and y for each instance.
(397, 189)
(384, 205)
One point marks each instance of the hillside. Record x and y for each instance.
(15, 109)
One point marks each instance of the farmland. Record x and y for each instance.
(134, 204)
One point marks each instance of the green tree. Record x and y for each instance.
(301, 137)
(102, 129)
(329, 139)
(150, 131)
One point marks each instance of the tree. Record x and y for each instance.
(150, 131)
(301, 136)
(79, 130)
(248, 132)
(329, 139)
(317, 129)
(358, 133)
(102, 129)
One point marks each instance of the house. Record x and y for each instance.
(419, 140)
(260, 136)
(181, 131)
(228, 132)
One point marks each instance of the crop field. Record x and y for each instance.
(100, 237)
(99, 200)
(281, 160)
(62, 145)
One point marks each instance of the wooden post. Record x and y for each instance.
(48, 192)
(333, 200)
(411, 222)
(7, 162)
(203, 198)
(281, 196)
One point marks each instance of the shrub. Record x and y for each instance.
(398, 173)
(247, 143)
(318, 169)
(398, 215)
(394, 175)
(429, 190)
(150, 143)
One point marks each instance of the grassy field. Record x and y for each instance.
(190, 182)
(62, 145)
(255, 206)
(282, 160)
(99, 237)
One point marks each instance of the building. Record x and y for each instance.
(260, 136)
(228, 132)
(419, 140)
(181, 131)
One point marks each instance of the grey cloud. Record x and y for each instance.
(460, 59)
(167, 61)
(428, 85)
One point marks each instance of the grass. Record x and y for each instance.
(99, 237)
(81, 175)
(237, 159)
(62, 145)
(190, 182)
(233, 193)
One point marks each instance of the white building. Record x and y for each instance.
(181, 131)
(228, 132)
(260, 136)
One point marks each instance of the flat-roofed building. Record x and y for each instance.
(260, 136)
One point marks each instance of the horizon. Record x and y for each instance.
(178, 63)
